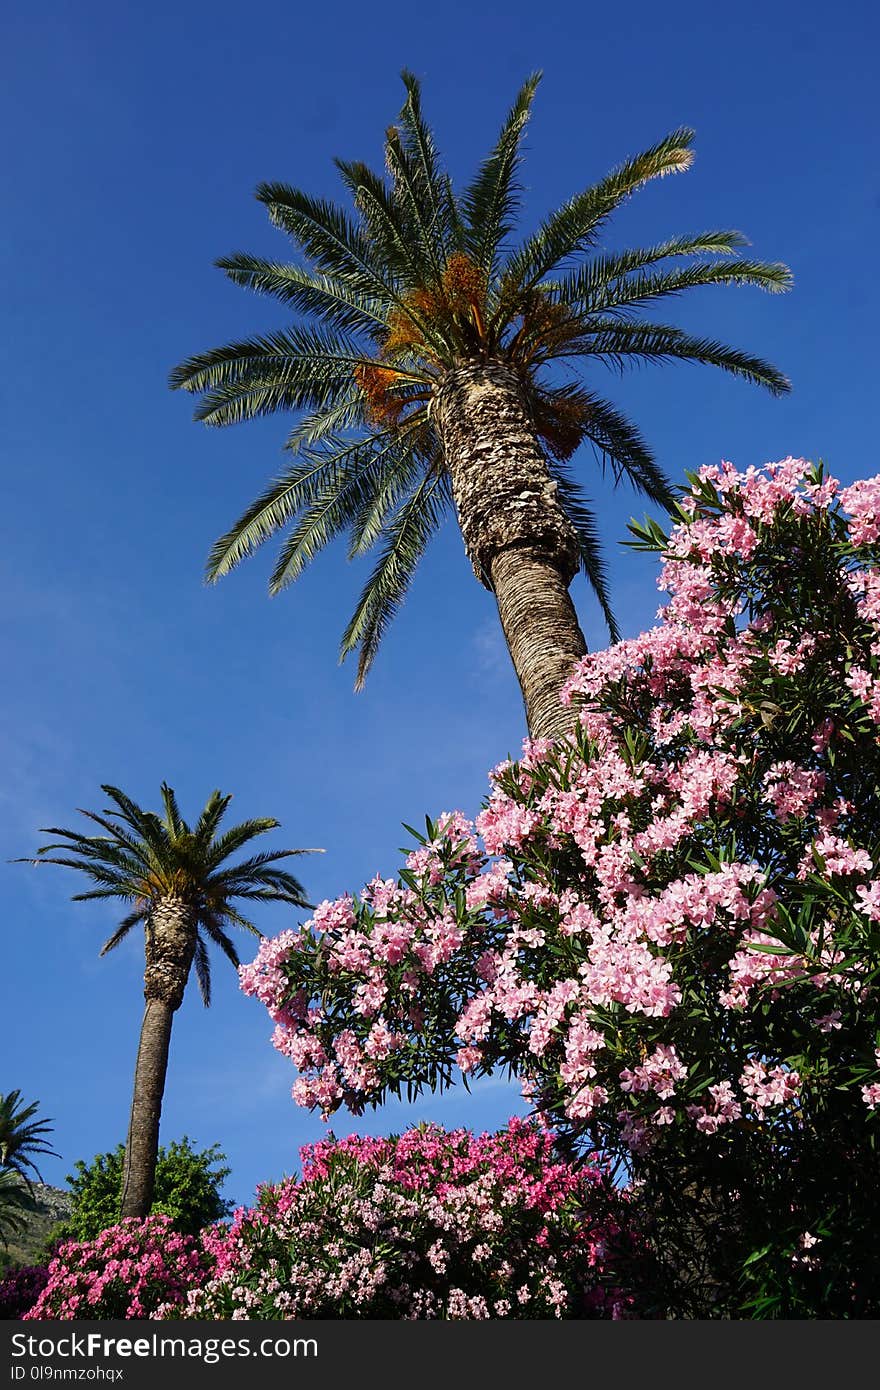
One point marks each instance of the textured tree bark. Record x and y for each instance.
(516, 534)
(142, 1144)
(170, 946)
(542, 632)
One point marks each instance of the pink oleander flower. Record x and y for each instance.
(769, 1087)
(468, 1058)
(792, 791)
(871, 1095)
(840, 857)
(862, 501)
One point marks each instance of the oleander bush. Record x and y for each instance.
(667, 925)
(432, 1224)
(127, 1271)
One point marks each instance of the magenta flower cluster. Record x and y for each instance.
(21, 1288)
(126, 1272)
(432, 1224)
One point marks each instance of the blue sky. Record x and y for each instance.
(135, 137)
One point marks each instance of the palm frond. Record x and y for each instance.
(643, 288)
(256, 868)
(307, 293)
(120, 892)
(122, 837)
(210, 817)
(113, 855)
(574, 226)
(258, 861)
(414, 199)
(144, 823)
(385, 223)
(329, 238)
(214, 930)
(382, 499)
(345, 492)
(203, 970)
(22, 1135)
(622, 342)
(97, 872)
(623, 446)
(455, 240)
(292, 369)
(234, 838)
(584, 287)
(288, 891)
(491, 201)
(305, 480)
(173, 819)
(434, 186)
(133, 919)
(405, 539)
(94, 844)
(331, 422)
(213, 927)
(271, 511)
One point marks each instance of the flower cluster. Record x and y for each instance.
(666, 925)
(21, 1288)
(126, 1272)
(432, 1224)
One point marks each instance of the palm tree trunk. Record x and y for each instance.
(142, 1143)
(169, 948)
(542, 632)
(516, 534)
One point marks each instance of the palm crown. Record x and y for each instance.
(144, 859)
(419, 282)
(21, 1135)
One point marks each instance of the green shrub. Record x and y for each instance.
(187, 1190)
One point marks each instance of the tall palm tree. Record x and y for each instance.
(22, 1136)
(432, 371)
(180, 890)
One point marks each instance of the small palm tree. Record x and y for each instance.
(22, 1136)
(16, 1203)
(174, 878)
(433, 373)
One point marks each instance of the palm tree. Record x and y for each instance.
(174, 878)
(432, 370)
(16, 1202)
(21, 1135)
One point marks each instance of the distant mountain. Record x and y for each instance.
(51, 1206)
